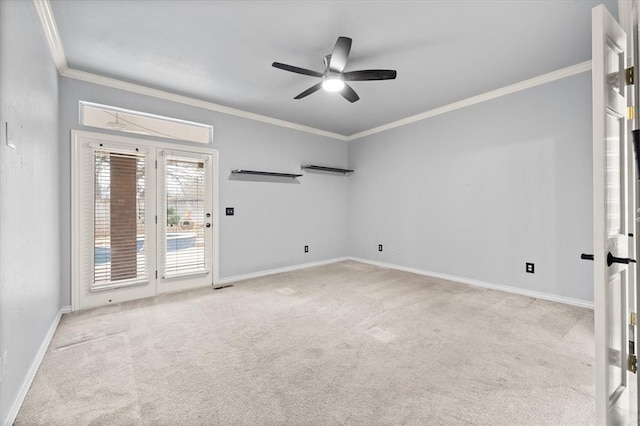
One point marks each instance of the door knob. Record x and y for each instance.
(611, 259)
(208, 225)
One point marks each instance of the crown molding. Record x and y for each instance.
(487, 96)
(43, 8)
(186, 100)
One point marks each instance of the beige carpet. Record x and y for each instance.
(346, 343)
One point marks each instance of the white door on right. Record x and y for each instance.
(610, 229)
(185, 220)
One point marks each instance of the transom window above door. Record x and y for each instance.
(128, 121)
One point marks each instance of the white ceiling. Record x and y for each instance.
(221, 51)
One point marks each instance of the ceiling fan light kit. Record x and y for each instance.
(334, 78)
(332, 83)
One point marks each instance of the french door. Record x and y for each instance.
(611, 228)
(185, 231)
(143, 216)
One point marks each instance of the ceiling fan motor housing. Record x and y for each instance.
(326, 61)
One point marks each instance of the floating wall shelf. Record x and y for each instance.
(326, 169)
(257, 172)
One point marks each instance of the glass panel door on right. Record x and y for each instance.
(185, 225)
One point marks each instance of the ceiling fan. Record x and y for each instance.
(334, 78)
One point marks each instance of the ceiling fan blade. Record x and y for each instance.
(349, 94)
(297, 70)
(309, 91)
(364, 75)
(340, 54)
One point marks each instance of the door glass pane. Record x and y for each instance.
(613, 66)
(612, 146)
(615, 363)
(185, 217)
(118, 206)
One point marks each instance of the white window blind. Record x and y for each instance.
(183, 250)
(119, 205)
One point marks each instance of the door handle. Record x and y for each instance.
(611, 259)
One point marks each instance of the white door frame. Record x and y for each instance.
(78, 136)
(629, 16)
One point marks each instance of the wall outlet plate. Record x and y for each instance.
(530, 268)
(229, 211)
(379, 247)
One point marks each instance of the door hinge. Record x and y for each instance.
(156, 164)
(633, 319)
(156, 275)
(628, 76)
(631, 112)
(156, 220)
(632, 364)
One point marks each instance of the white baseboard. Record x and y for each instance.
(477, 283)
(279, 270)
(31, 374)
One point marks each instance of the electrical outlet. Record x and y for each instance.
(379, 247)
(306, 249)
(229, 211)
(530, 268)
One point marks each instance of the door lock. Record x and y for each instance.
(208, 225)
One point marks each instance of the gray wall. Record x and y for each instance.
(273, 220)
(29, 199)
(478, 192)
